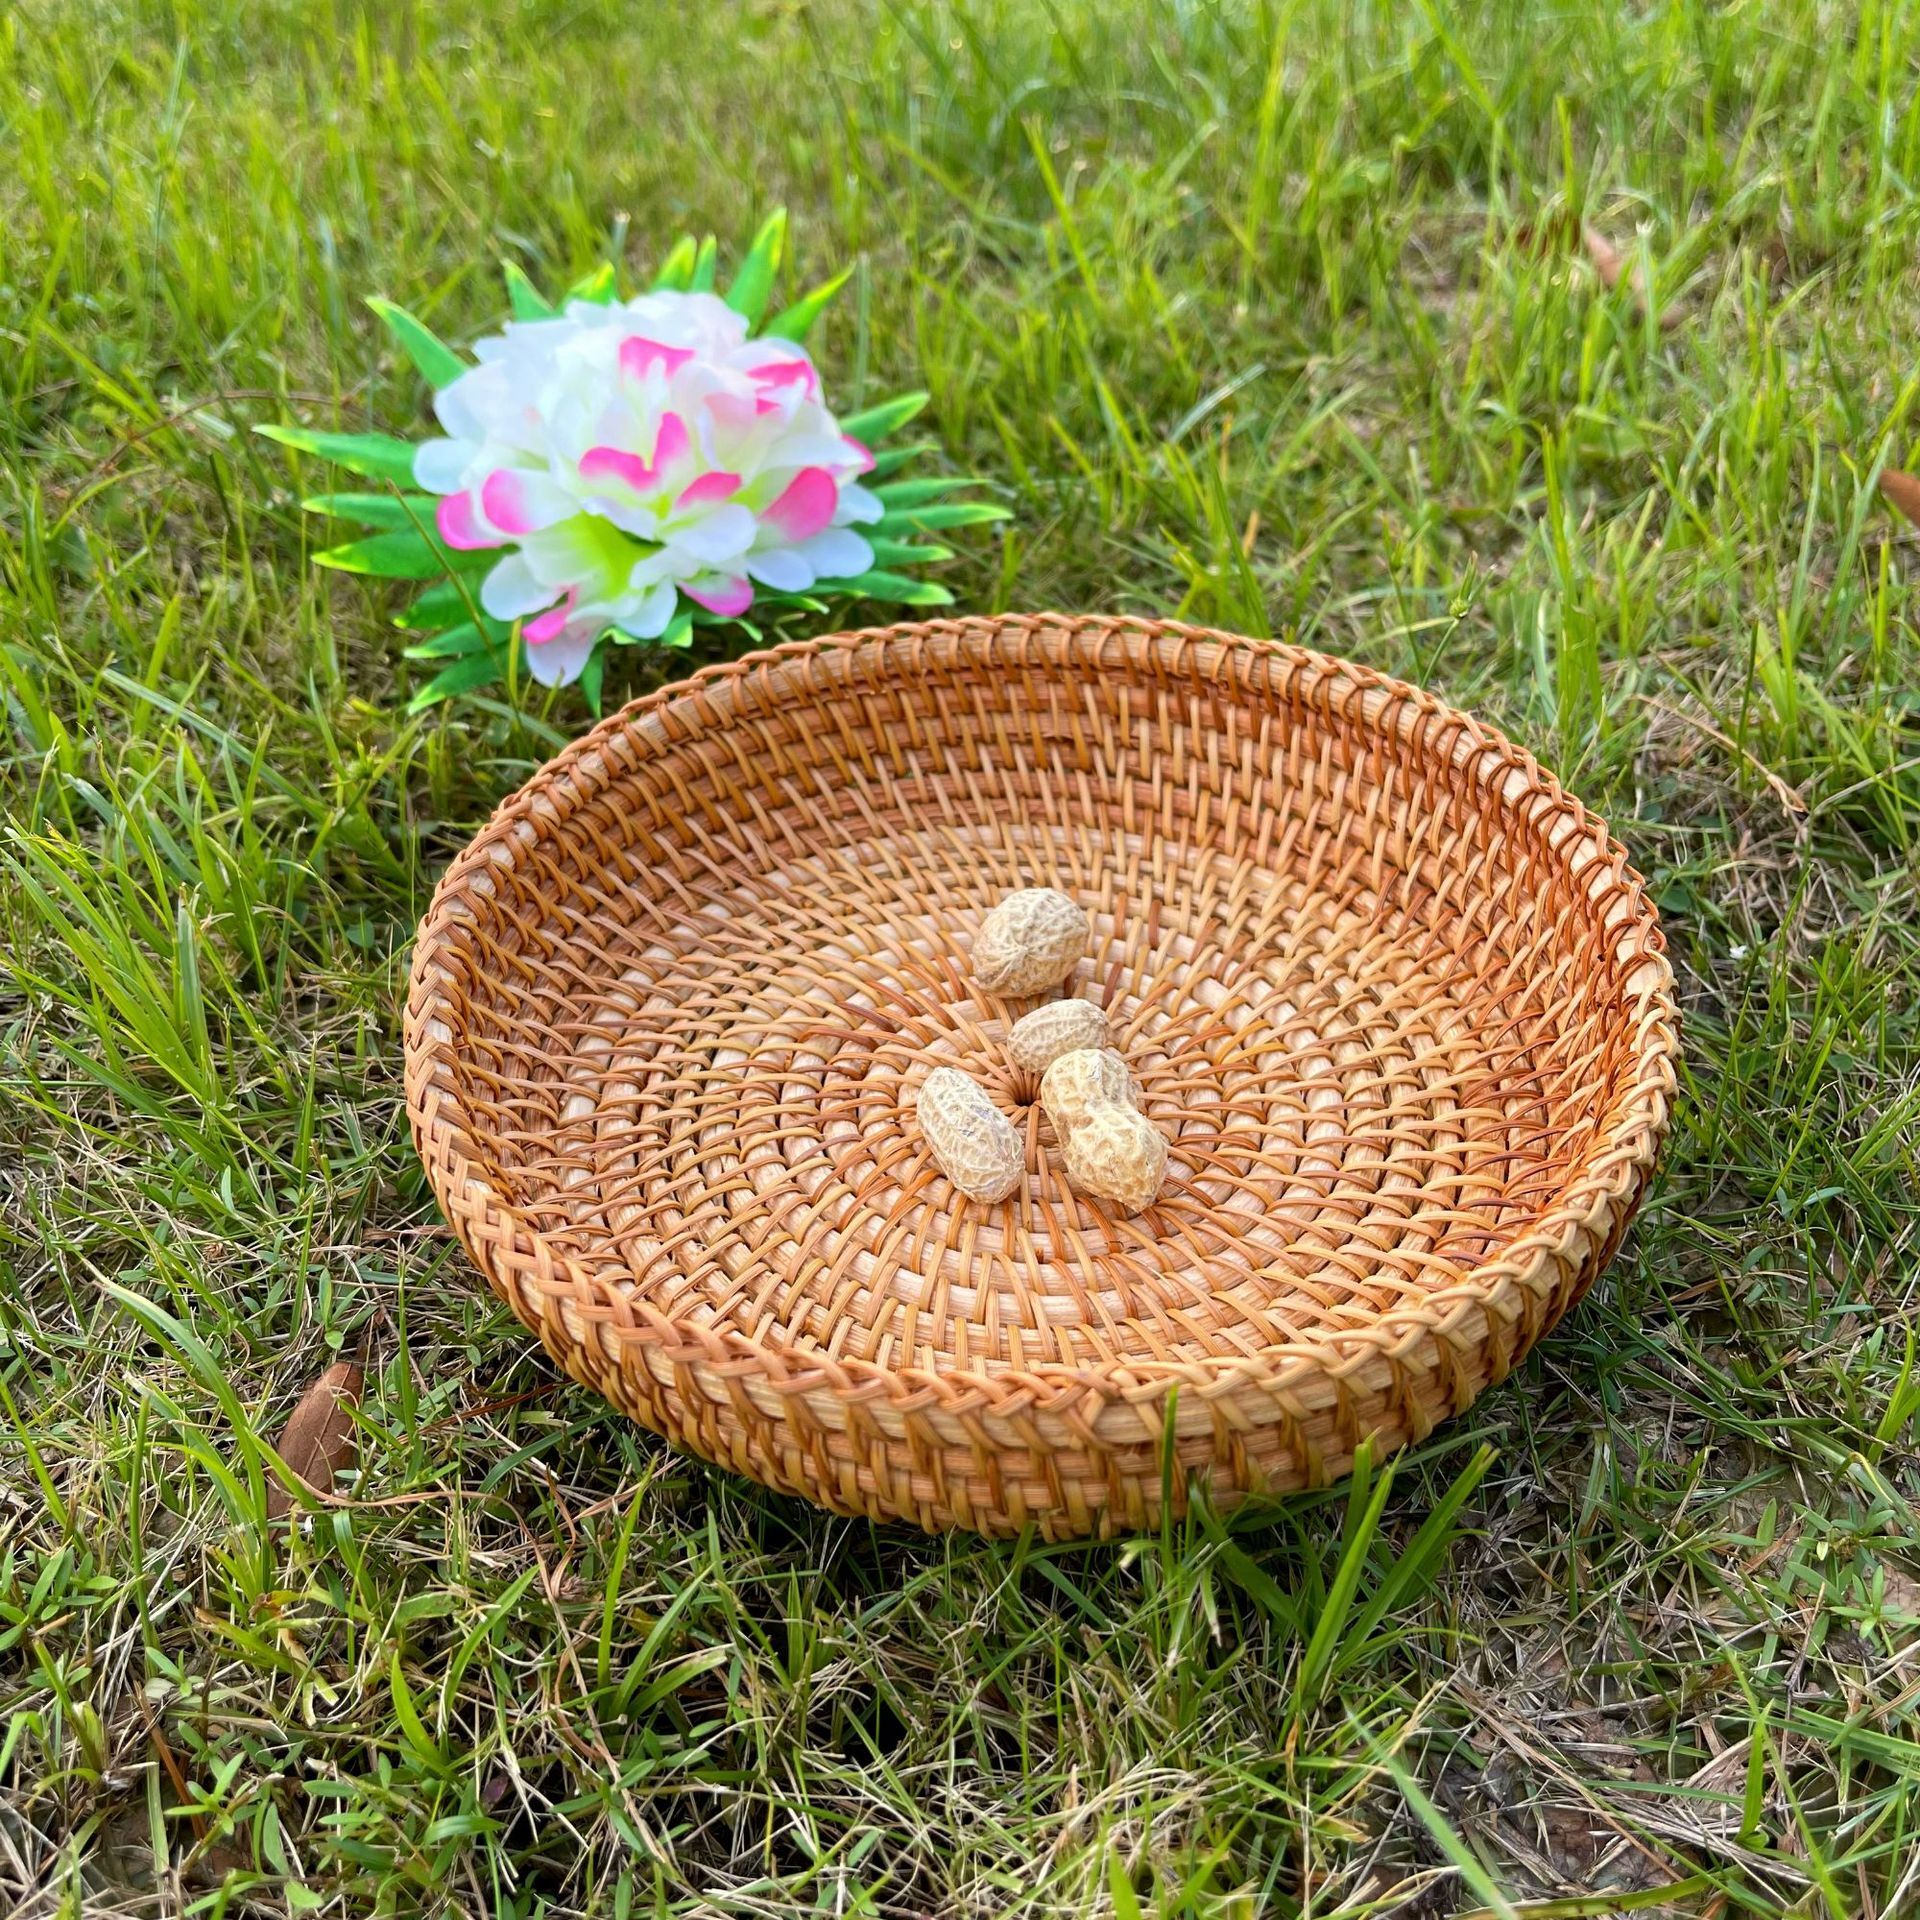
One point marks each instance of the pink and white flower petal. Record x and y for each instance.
(836, 554)
(708, 488)
(734, 415)
(520, 501)
(441, 465)
(721, 593)
(648, 615)
(612, 466)
(812, 445)
(560, 661)
(712, 536)
(553, 623)
(641, 357)
(510, 591)
(782, 568)
(461, 528)
(858, 505)
(797, 371)
(804, 507)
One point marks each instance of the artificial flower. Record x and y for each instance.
(621, 455)
(632, 470)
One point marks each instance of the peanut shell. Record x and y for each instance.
(1061, 1026)
(1080, 1083)
(1118, 1155)
(1029, 943)
(972, 1141)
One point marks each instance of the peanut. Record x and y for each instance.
(1119, 1155)
(1061, 1026)
(1112, 1149)
(1031, 941)
(972, 1141)
(1078, 1084)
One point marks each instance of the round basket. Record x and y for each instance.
(1398, 1002)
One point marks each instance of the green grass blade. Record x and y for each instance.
(1471, 1867)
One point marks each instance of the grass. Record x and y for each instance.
(1271, 315)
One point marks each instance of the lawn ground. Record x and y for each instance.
(1274, 315)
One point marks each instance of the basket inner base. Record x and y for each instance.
(1362, 1097)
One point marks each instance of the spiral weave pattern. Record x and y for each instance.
(1399, 1004)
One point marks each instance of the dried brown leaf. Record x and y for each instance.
(317, 1440)
(1611, 266)
(1903, 491)
(1606, 257)
(1542, 238)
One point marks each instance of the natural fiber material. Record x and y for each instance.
(1398, 1002)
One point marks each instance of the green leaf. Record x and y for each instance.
(894, 587)
(877, 422)
(796, 322)
(901, 553)
(679, 631)
(374, 509)
(443, 604)
(476, 670)
(894, 458)
(591, 676)
(378, 455)
(452, 643)
(401, 556)
(747, 296)
(676, 270)
(958, 513)
(439, 365)
(598, 286)
(525, 299)
(910, 493)
(704, 262)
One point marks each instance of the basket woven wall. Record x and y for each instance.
(1399, 1003)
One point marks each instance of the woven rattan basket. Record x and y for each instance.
(1398, 1002)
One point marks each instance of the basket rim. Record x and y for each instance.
(1599, 1199)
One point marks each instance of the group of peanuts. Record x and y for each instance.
(1029, 944)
